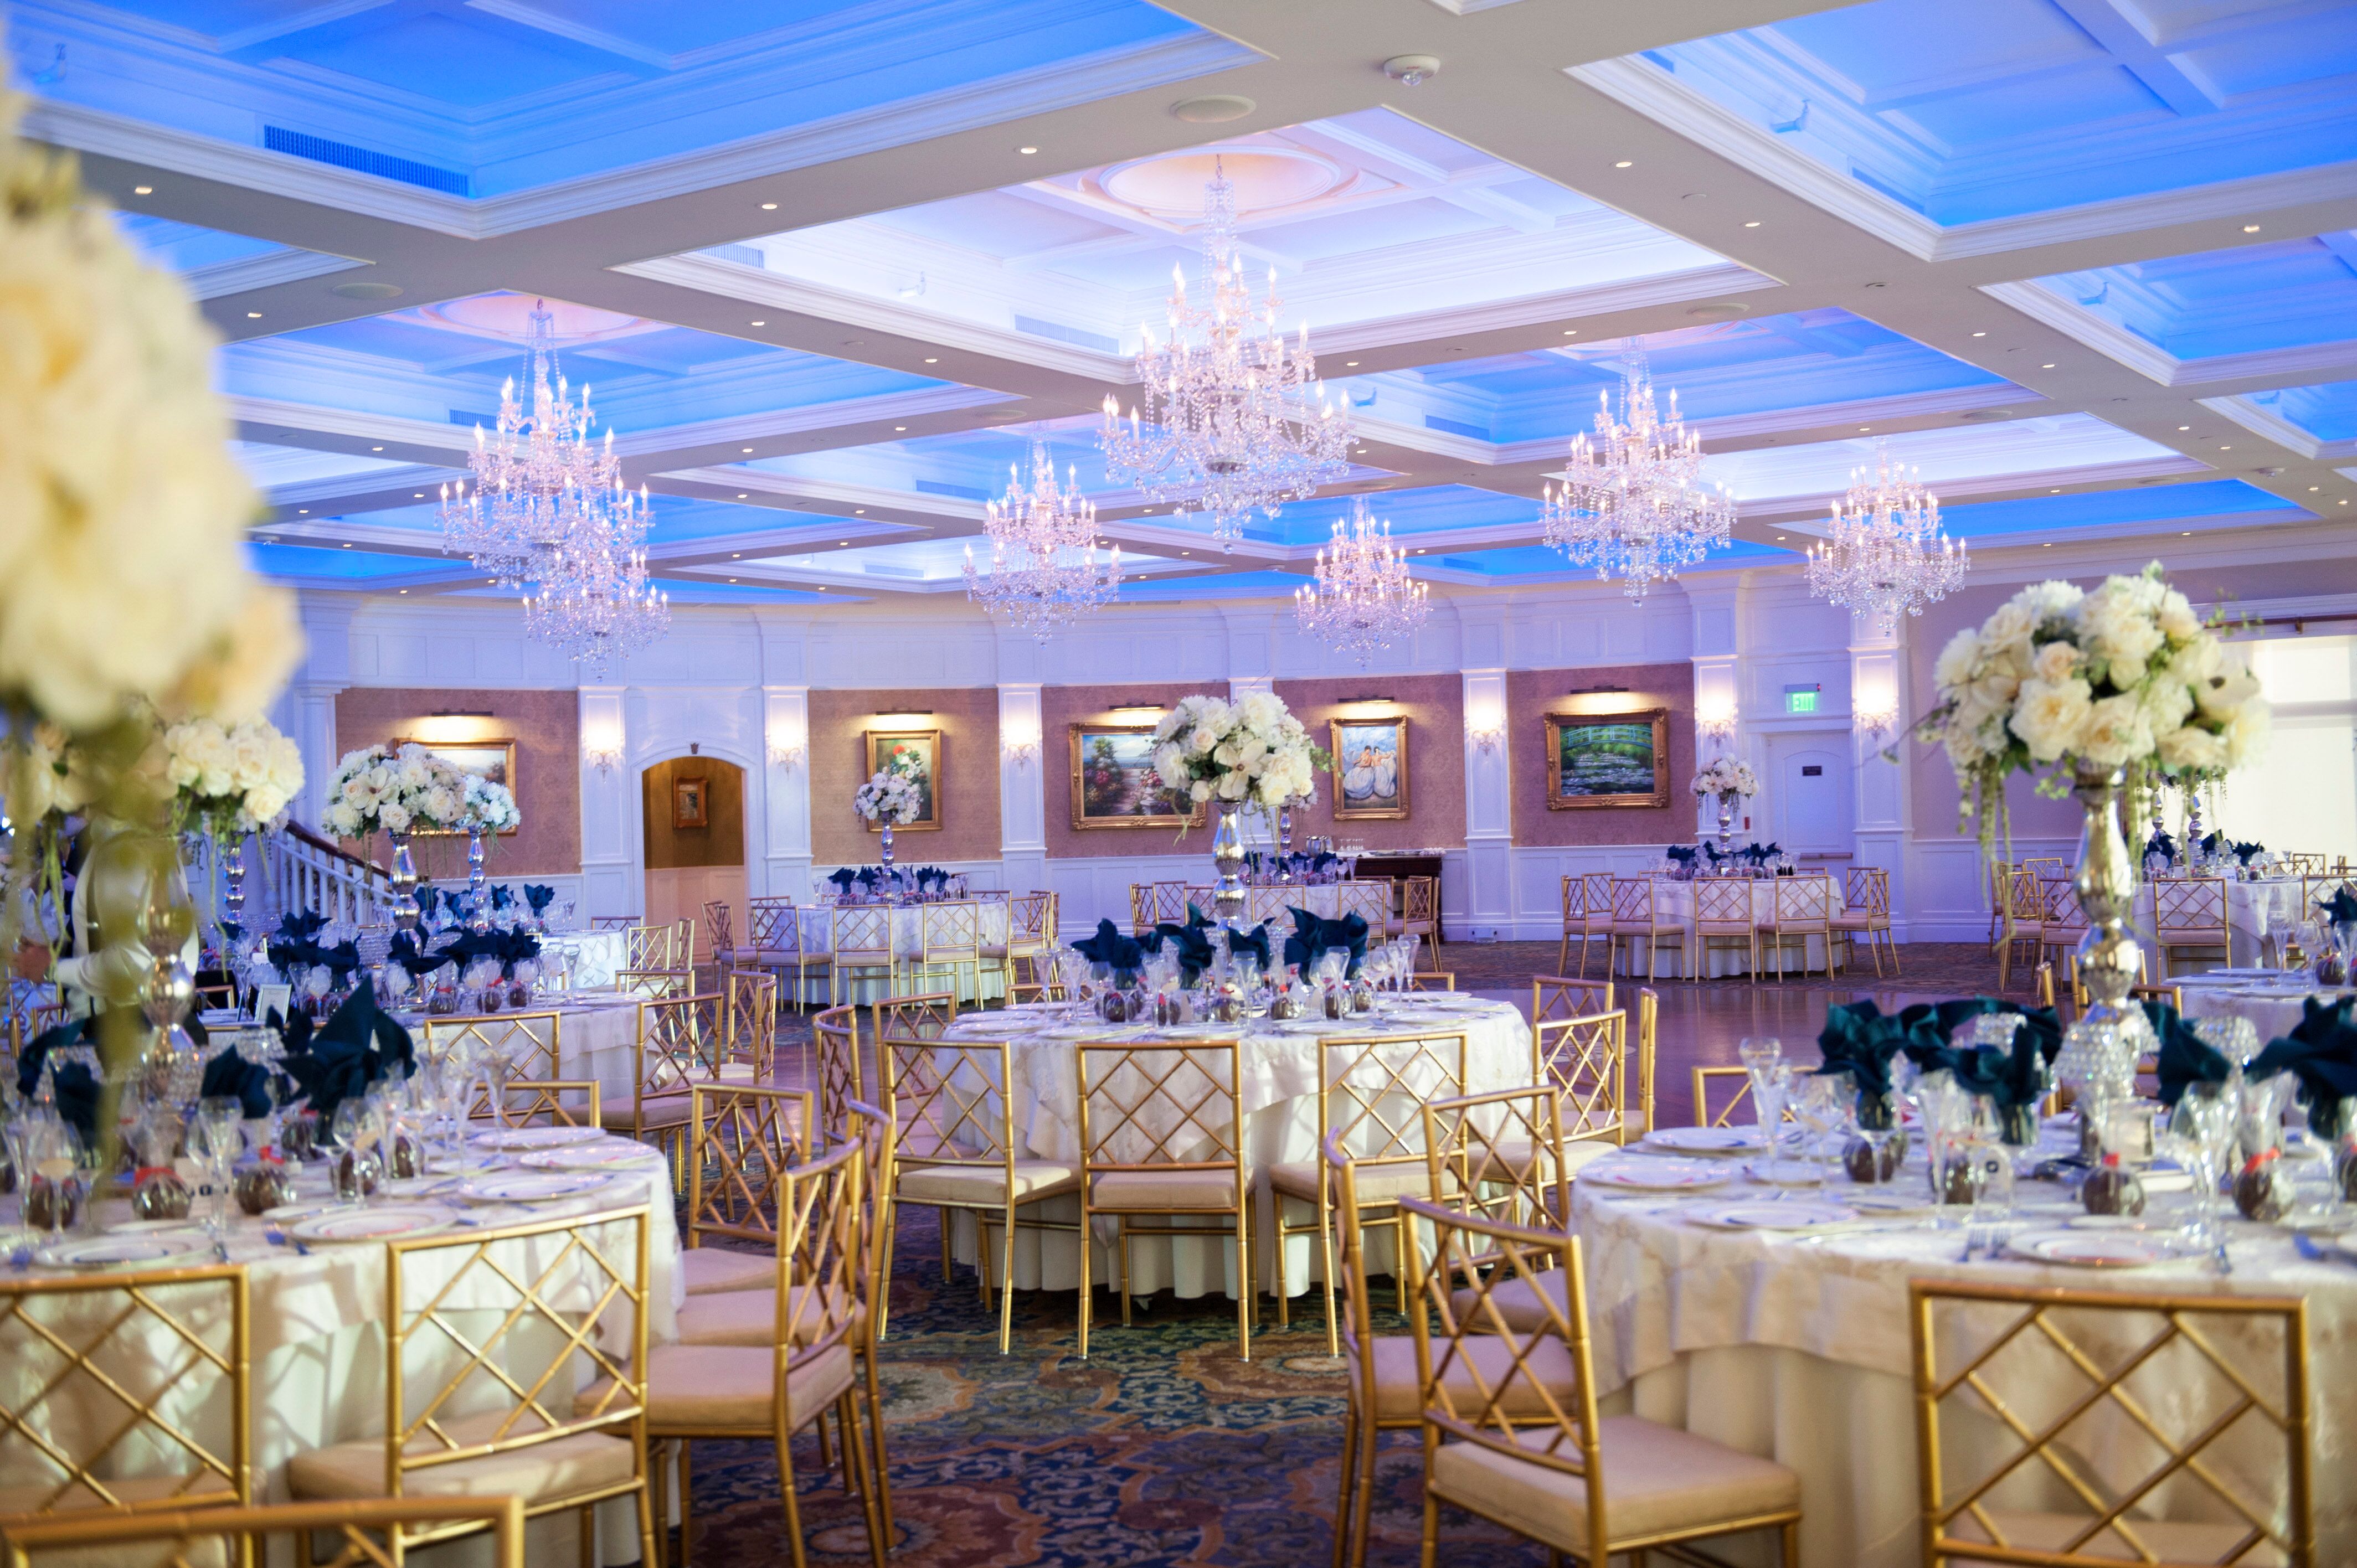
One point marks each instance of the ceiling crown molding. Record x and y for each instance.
(2147, 358)
(2266, 421)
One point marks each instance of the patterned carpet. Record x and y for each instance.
(1162, 1448)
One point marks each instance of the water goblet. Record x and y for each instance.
(2199, 1132)
(1821, 1100)
(221, 1135)
(1758, 1054)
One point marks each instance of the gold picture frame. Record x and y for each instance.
(1115, 784)
(925, 745)
(1369, 769)
(492, 759)
(691, 802)
(1594, 760)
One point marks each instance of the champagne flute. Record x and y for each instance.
(1760, 1055)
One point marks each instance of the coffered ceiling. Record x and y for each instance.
(828, 270)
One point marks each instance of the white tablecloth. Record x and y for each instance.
(596, 1036)
(816, 924)
(1279, 1072)
(594, 956)
(1674, 905)
(1798, 1349)
(318, 1341)
(2257, 913)
(2271, 1005)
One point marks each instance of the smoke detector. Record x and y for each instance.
(1411, 70)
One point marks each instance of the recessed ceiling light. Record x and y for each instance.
(348, 545)
(417, 495)
(1026, 152)
(2045, 367)
(758, 324)
(2250, 228)
(404, 590)
(142, 190)
(859, 511)
(745, 450)
(302, 511)
(841, 542)
(768, 207)
(1186, 552)
(1571, 332)
(1348, 363)
(732, 579)
(2225, 448)
(1980, 334)
(2049, 545)
(253, 316)
(376, 448)
(2313, 488)
(935, 360)
(1754, 223)
(736, 555)
(2055, 491)
(899, 427)
(740, 495)
(1864, 429)
(2185, 427)
(822, 587)
(1624, 163)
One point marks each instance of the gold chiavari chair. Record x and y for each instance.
(1865, 912)
(2058, 1426)
(748, 1026)
(682, 942)
(861, 946)
(1141, 908)
(482, 1330)
(1034, 990)
(2025, 922)
(184, 1537)
(2303, 864)
(2313, 890)
(1419, 910)
(836, 1069)
(1264, 904)
(1587, 1061)
(612, 922)
(1512, 1433)
(1722, 913)
(773, 934)
(648, 947)
(1370, 1090)
(953, 1150)
(2048, 866)
(2189, 917)
(1433, 980)
(808, 1365)
(1171, 899)
(1197, 894)
(126, 1372)
(1558, 996)
(1577, 928)
(745, 1138)
(1162, 1152)
(678, 1036)
(1801, 908)
(719, 931)
(1371, 900)
(530, 1045)
(654, 985)
(1500, 1154)
(32, 1009)
(1649, 1038)
(1379, 1369)
(2000, 895)
(2064, 922)
(1704, 1077)
(924, 1017)
(949, 940)
(1637, 917)
(1030, 930)
(547, 1102)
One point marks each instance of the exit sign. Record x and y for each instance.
(1803, 700)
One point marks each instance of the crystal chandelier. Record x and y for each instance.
(1888, 551)
(1630, 506)
(1227, 426)
(538, 476)
(1044, 571)
(595, 601)
(1364, 598)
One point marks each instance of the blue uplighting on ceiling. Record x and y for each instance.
(185, 247)
(1223, 586)
(2001, 108)
(1431, 509)
(2326, 412)
(2204, 503)
(2255, 299)
(1536, 562)
(351, 568)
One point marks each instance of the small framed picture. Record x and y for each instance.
(916, 756)
(1369, 769)
(1608, 760)
(691, 802)
(1115, 784)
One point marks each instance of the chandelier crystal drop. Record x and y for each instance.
(1631, 505)
(1044, 572)
(1228, 424)
(1364, 599)
(539, 478)
(1887, 553)
(596, 604)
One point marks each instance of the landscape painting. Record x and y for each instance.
(1115, 784)
(1608, 760)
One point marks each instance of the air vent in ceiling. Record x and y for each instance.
(343, 154)
(1063, 333)
(743, 255)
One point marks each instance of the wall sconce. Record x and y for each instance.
(604, 753)
(787, 753)
(1718, 723)
(1875, 717)
(1022, 750)
(1486, 732)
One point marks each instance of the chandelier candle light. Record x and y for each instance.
(1887, 552)
(1044, 572)
(1227, 426)
(1629, 505)
(1364, 598)
(595, 601)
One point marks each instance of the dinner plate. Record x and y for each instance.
(416, 1186)
(1785, 1172)
(287, 1213)
(592, 1157)
(157, 1228)
(517, 1138)
(1657, 1176)
(1766, 1214)
(1719, 1141)
(530, 1186)
(148, 1251)
(2081, 1249)
(389, 1222)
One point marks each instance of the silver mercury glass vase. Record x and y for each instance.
(1284, 842)
(478, 892)
(1228, 855)
(885, 849)
(1726, 821)
(405, 883)
(2106, 885)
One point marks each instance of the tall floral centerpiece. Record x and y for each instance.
(487, 807)
(887, 797)
(125, 593)
(1730, 781)
(399, 793)
(1251, 754)
(230, 780)
(2098, 692)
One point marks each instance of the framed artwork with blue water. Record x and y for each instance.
(1369, 769)
(1608, 760)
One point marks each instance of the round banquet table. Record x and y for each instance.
(596, 1036)
(1674, 905)
(814, 925)
(2258, 916)
(2270, 999)
(591, 958)
(1278, 1069)
(1797, 1348)
(317, 1338)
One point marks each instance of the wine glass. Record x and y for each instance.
(1760, 1055)
(51, 1148)
(220, 1135)
(1821, 1100)
(2199, 1132)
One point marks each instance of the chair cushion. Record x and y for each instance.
(711, 1270)
(1657, 1480)
(1165, 1189)
(1377, 1184)
(1399, 1397)
(729, 1388)
(1517, 1303)
(982, 1184)
(750, 1316)
(656, 1110)
(540, 1473)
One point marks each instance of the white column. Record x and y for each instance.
(1878, 690)
(1718, 702)
(785, 858)
(311, 699)
(1487, 908)
(612, 881)
(1022, 789)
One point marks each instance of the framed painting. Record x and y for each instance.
(915, 755)
(1115, 784)
(491, 759)
(1369, 769)
(1608, 760)
(691, 802)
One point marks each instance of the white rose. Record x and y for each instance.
(1199, 791)
(1954, 665)
(391, 818)
(2055, 662)
(265, 802)
(2050, 716)
(249, 748)
(2246, 734)
(2012, 623)
(343, 821)
(2192, 750)
(2177, 617)
(2167, 703)
(2050, 600)
(2115, 733)
(1202, 740)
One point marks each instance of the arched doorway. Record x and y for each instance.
(693, 814)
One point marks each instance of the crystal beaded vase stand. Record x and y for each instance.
(886, 848)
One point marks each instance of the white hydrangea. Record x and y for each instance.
(399, 791)
(1251, 752)
(888, 797)
(233, 779)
